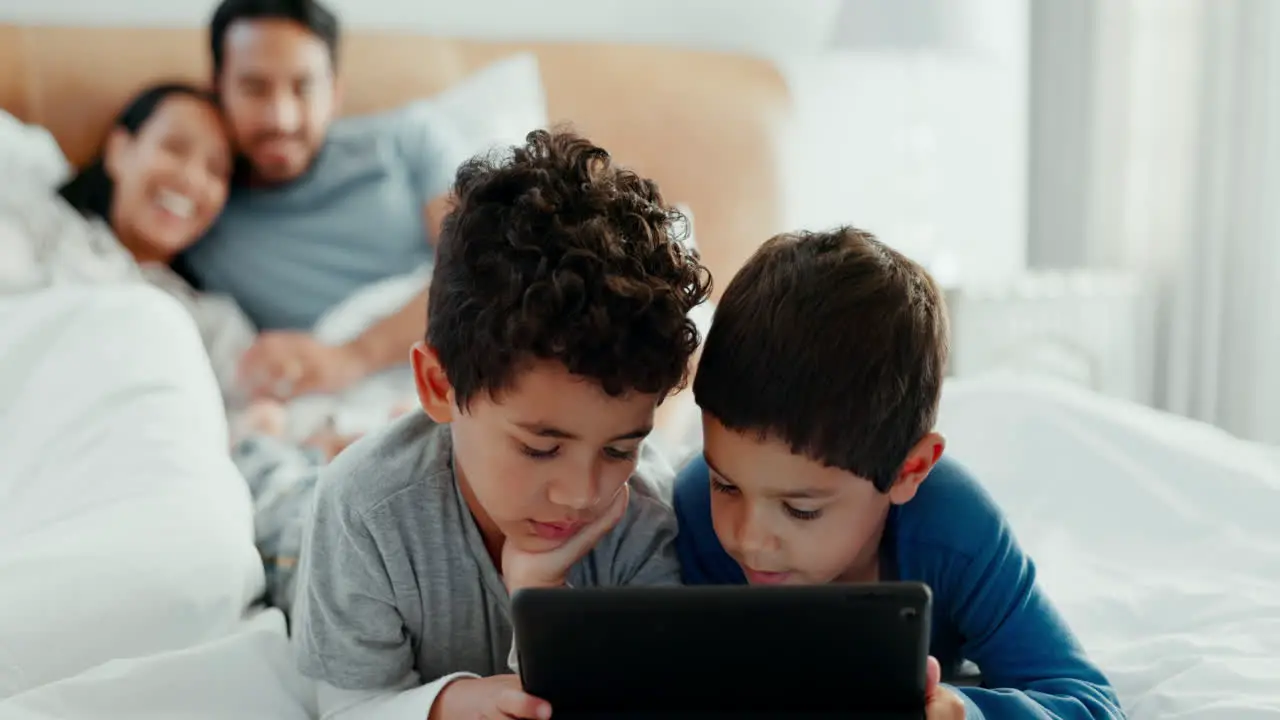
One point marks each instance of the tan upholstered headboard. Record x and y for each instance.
(709, 127)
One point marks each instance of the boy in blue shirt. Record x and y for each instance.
(819, 385)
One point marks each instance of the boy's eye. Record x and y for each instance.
(534, 452)
(799, 514)
(723, 487)
(620, 454)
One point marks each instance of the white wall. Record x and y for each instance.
(752, 25)
(857, 119)
(854, 115)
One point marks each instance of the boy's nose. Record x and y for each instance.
(754, 535)
(578, 491)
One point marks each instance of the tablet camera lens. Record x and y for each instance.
(909, 614)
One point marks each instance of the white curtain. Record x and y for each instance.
(1156, 147)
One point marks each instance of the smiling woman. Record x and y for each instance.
(161, 178)
(156, 185)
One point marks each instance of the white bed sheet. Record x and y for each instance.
(1156, 536)
(126, 555)
(247, 674)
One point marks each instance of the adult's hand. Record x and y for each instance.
(284, 364)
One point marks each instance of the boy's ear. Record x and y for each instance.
(920, 460)
(434, 391)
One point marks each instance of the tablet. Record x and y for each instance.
(745, 650)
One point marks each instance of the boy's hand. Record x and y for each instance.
(492, 698)
(940, 703)
(522, 569)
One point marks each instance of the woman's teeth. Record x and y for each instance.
(177, 204)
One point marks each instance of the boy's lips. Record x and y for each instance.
(555, 530)
(759, 577)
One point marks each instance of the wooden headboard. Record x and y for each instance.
(708, 127)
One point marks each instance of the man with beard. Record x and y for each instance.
(320, 208)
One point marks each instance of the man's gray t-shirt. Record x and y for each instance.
(395, 576)
(288, 254)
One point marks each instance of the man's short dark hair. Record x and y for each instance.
(308, 13)
(833, 343)
(553, 252)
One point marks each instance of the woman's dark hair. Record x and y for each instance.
(90, 190)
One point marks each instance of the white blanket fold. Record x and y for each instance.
(124, 528)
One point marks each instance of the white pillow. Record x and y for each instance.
(30, 159)
(496, 106)
(124, 528)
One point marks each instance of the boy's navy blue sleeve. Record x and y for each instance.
(1032, 665)
(703, 560)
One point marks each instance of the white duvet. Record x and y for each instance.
(126, 557)
(1156, 536)
(125, 531)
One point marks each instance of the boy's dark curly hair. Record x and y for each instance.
(553, 252)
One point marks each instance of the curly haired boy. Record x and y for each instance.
(557, 322)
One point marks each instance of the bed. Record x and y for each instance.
(126, 552)
(1156, 535)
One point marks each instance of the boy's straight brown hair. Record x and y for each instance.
(834, 343)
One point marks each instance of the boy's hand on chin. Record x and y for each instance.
(521, 569)
(491, 698)
(940, 702)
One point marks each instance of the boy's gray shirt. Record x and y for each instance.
(395, 576)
